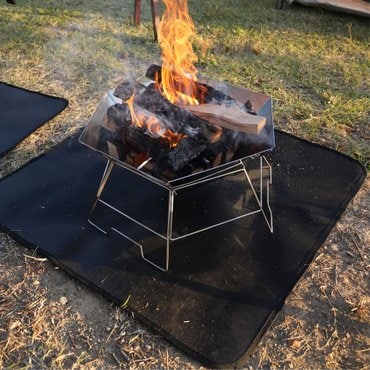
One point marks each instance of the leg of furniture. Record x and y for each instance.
(137, 12)
(155, 16)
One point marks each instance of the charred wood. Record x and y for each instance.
(205, 145)
(204, 93)
(124, 90)
(178, 119)
(117, 117)
(111, 142)
(187, 150)
(118, 120)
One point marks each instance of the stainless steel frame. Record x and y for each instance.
(258, 189)
(174, 187)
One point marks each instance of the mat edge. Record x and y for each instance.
(28, 133)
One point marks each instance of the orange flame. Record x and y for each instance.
(217, 135)
(173, 137)
(134, 118)
(178, 70)
(153, 125)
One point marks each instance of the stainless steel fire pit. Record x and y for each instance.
(198, 172)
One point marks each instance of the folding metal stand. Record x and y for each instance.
(174, 187)
(248, 147)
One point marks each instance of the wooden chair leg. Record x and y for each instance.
(137, 12)
(155, 17)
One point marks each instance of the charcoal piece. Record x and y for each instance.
(201, 162)
(106, 134)
(138, 139)
(154, 72)
(111, 142)
(187, 149)
(249, 108)
(124, 90)
(118, 115)
(227, 144)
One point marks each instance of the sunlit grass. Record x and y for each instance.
(314, 63)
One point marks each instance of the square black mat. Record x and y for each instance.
(225, 285)
(22, 112)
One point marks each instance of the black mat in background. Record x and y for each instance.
(226, 285)
(15, 124)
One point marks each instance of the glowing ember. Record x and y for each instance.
(178, 71)
(173, 137)
(217, 135)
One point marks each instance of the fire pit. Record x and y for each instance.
(178, 132)
(200, 162)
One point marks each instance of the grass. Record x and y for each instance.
(316, 66)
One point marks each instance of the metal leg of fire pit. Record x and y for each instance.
(259, 199)
(268, 218)
(103, 182)
(107, 172)
(173, 190)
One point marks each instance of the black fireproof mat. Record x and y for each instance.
(22, 112)
(225, 286)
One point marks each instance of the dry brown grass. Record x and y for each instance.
(49, 320)
(325, 320)
(80, 49)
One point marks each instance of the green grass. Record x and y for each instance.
(315, 64)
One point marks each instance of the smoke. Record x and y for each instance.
(84, 58)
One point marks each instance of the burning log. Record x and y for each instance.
(185, 139)
(178, 119)
(203, 93)
(118, 121)
(187, 150)
(175, 125)
(117, 117)
(125, 90)
(216, 107)
(204, 143)
(118, 124)
(110, 142)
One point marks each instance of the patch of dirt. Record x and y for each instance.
(325, 320)
(47, 319)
